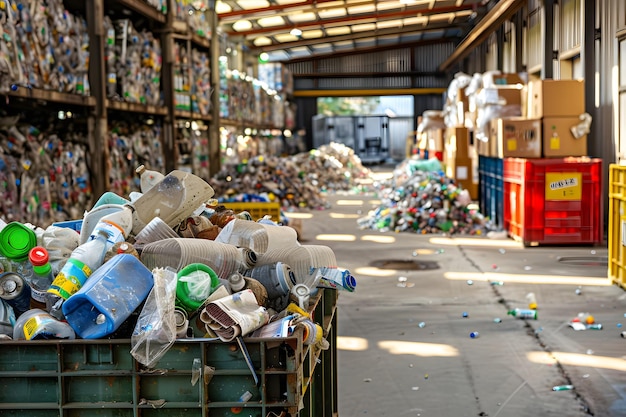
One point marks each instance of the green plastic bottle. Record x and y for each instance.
(523, 313)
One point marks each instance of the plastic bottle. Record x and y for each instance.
(42, 276)
(532, 301)
(523, 313)
(172, 199)
(109, 297)
(245, 397)
(148, 178)
(36, 324)
(85, 259)
(337, 278)
(585, 318)
(116, 225)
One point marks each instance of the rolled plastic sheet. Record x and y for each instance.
(303, 260)
(154, 231)
(257, 236)
(235, 315)
(223, 258)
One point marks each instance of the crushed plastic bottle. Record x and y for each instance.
(37, 324)
(562, 387)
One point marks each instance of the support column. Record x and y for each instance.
(168, 140)
(98, 146)
(547, 69)
(214, 127)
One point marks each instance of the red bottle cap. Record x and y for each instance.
(38, 256)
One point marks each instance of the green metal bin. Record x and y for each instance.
(93, 378)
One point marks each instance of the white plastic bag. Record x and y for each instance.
(155, 331)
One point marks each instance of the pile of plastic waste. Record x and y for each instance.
(421, 199)
(296, 181)
(164, 264)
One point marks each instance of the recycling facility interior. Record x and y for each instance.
(109, 89)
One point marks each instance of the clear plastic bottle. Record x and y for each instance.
(532, 301)
(85, 259)
(42, 276)
(148, 178)
(37, 324)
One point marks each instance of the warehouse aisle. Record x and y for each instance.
(427, 333)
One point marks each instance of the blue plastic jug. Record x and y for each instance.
(108, 297)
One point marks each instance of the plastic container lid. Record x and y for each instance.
(185, 293)
(38, 256)
(16, 240)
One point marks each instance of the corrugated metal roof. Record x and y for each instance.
(300, 29)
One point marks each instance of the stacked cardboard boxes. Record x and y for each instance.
(559, 104)
(551, 109)
(460, 159)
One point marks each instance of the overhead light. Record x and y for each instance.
(264, 57)
(296, 32)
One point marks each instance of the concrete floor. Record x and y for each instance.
(404, 345)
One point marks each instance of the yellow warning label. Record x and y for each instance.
(511, 145)
(564, 186)
(555, 143)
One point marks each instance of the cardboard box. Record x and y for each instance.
(558, 140)
(503, 79)
(434, 140)
(457, 142)
(517, 137)
(507, 95)
(555, 98)
(464, 171)
(483, 148)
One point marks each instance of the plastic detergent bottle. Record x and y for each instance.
(109, 297)
(42, 276)
(36, 324)
(116, 225)
(85, 259)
